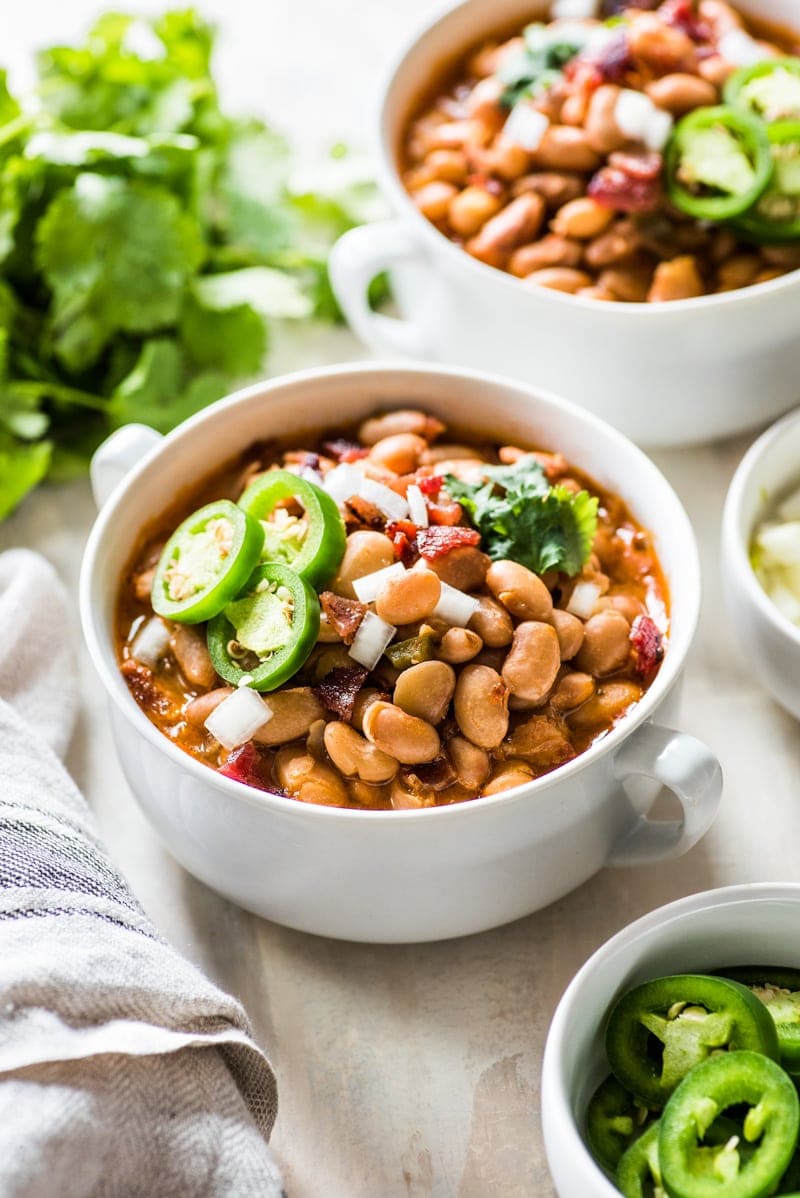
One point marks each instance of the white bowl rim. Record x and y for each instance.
(735, 540)
(390, 178)
(115, 687)
(553, 1088)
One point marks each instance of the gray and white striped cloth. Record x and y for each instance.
(123, 1071)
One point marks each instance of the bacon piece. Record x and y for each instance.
(403, 534)
(445, 513)
(146, 691)
(437, 774)
(246, 765)
(363, 514)
(648, 646)
(343, 615)
(439, 540)
(339, 689)
(682, 14)
(614, 187)
(609, 64)
(343, 450)
(643, 166)
(431, 485)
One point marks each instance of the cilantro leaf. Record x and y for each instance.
(156, 391)
(521, 516)
(22, 467)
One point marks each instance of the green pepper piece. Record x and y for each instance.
(412, 651)
(770, 1126)
(205, 562)
(769, 90)
(660, 1030)
(263, 637)
(717, 163)
(791, 1178)
(614, 1120)
(639, 1171)
(312, 544)
(779, 990)
(775, 216)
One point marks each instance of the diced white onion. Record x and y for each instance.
(583, 599)
(343, 481)
(237, 718)
(368, 586)
(455, 606)
(389, 502)
(370, 642)
(789, 509)
(741, 49)
(311, 476)
(633, 113)
(526, 127)
(658, 129)
(566, 10)
(417, 507)
(151, 642)
(780, 542)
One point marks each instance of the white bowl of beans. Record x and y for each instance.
(470, 765)
(707, 933)
(541, 233)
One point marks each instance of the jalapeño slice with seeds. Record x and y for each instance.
(263, 637)
(313, 542)
(775, 216)
(717, 163)
(779, 990)
(769, 90)
(205, 562)
(639, 1172)
(614, 1119)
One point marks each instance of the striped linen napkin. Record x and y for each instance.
(123, 1071)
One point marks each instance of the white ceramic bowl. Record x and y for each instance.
(736, 925)
(663, 374)
(402, 875)
(771, 643)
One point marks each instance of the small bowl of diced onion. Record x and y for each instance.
(761, 559)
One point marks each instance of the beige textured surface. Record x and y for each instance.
(413, 1072)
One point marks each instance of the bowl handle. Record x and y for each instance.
(355, 260)
(690, 770)
(118, 454)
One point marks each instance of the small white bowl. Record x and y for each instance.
(735, 925)
(769, 469)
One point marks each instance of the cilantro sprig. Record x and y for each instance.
(148, 240)
(521, 516)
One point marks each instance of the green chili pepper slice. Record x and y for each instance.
(790, 1181)
(779, 990)
(769, 90)
(614, 1120)
(263, 637)
(416, 649)
(660, 1030)
(769, 1128)
(639, 1171)
(312, 543)
(717, 163)
(775, 216)
(205, 562)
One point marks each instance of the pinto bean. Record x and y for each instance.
(404, 737)
(518, 223)
(630, 284)
(492, 623)
(572, 690)
(425, 690)
(675, 280)
(504, 159)
(483, 102)
(366, 696)
(549, 251)
(309, 780)
(464, 567)
(471, 208)
(628, 605)
(459, 645)
(564, 148)
(197, 711)
(355, 757)
(606, 644)
(364, 553)
(511, 773)
(481, 706)
(191, 653)
(293, 713)
(408, 794)
(582, 219)
(402, 420)
(519, 590)
(448, 165)
(555, 187)
(470, 762)
(410, 597)
(400, 452)
(602, 130)
(661, 48)
(533, 661)
(455, 135)
(786, 256)
(680, 92)
(616, 245)
(143, 584)
(739, 270)
(716, 69)
(560, 278)
(366, 794)
(607, 705)
(433, 200)
(569, 630)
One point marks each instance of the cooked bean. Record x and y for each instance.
(663, 49)
(471, 208)
(481, 706)
(449, 165)
(716, 69)
(412, 596)
(436, 454)
(408, 794)
(315, 741)
(327, 634)
(489, 59)
(364, 553)
(492, 623)
(433, 200)
(400, 452)
(555, 187)
(597, 293)
(610, 702)
(403, 420)
(293, 713)
(308, 780)
(533, 661)
(368, 795)
(459, 645)
(483, 101)
(572, 690)
(404, 737)
(787, 256)
(547, 252)
(463, 567)
(143, 584)
(425, 690)
(518, 223)
(519, 590)
(355, 756)
(630, 284)
(506, 159)
(560, 278)
(720, 16)
(564, 148)
(737, 271)
(191, 653)
(455, 135)
(197, 711)
(680, 92)
(606, 644)
(602, 130)
(628, 605)
(621, 242)
(511, 773)
(569, 630)
(366, 696)
(723, 245)
(768, 274)
(676, 280)
(470, 762)
(582, 219)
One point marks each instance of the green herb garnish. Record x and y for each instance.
(521, 516)
(536, 66)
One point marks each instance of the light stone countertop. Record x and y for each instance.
(411, 1072)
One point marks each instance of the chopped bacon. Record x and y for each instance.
(643, 166)
(145, 690)
(437, 774)
(444, 513)
(361, 513)
(246, 765)
(403, 535)
(612, 61)
(343, 615)
(613, 187)
(339, 689)
(343, 450)
(647, 644)
(431, 485)
(437, 541)
(682, 14)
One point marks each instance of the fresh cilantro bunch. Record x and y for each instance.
(521, 516)
(147, 238)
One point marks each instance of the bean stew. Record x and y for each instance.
(627, 150)
(387, 617)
